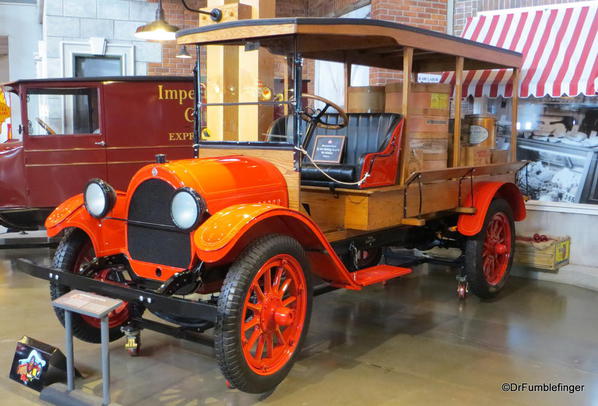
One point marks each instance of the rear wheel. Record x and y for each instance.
(75, 250)
(489, 254)
(263, 314)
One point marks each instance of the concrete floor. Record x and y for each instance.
(409, 342)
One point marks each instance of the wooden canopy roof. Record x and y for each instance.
(357, 41)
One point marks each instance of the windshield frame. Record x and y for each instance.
(200, 83)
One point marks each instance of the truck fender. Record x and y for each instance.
(222, 237)
(72, 214)
(482, 196)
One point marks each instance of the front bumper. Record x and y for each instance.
(152, 301)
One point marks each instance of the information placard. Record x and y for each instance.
(328, 148)
(86, 303)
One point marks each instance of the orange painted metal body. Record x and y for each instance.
(222, 236)
(222, 182)
(484, 192)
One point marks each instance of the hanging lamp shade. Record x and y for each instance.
(157, 30)
(183, 53)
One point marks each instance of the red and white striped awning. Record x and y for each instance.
(559, 47)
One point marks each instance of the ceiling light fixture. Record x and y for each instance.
(183, 53)
(157, 30)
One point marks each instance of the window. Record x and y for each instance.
(62, 111)
(94, 66)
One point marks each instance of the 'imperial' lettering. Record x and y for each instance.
(175, 94)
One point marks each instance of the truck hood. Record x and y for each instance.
(222, 181)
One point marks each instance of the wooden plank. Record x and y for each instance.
(405, 146)
(514, 107)
(466, 210)
(283, 159)
(457, 126)
(413, 221)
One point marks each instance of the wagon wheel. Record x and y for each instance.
(263, 314)
(489, 254)
(74, 251)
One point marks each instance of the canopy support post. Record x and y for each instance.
(514, 107)
(198, 102)
(405, 144)
(348, 68)
(456, 157)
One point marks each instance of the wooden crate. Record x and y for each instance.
(365, 99)
(475, 156)
(427, 154)
(549, 255)
(428, 99)
(500, 156)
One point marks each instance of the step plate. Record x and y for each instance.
(378, 273)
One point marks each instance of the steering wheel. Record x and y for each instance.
(45, 126)
(315, 116)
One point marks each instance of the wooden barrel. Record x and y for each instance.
(365, 99)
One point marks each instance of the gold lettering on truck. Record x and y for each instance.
(175, 94)
(180, 96)
(180, 136)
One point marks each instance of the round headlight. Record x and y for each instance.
(99, 198)
(187, 208)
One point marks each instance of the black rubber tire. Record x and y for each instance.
(230, 307)
(473, 254)
(64, 259)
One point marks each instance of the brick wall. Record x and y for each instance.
(429, 14)
(291, 8)
(333, 8)
(469, 8)
(176, 14)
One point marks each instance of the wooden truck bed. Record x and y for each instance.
(345, 212)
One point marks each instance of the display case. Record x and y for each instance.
(558, 171)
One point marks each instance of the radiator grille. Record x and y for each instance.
(157, 240)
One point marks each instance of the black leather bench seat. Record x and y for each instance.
(365, 133)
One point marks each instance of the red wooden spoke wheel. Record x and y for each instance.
(119, 315)
(497, 248)
(489, 254)
(273, 314)
(74, 251)
(263, 313)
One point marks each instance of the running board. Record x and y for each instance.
(377, 274)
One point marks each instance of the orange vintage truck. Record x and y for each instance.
(240, 238)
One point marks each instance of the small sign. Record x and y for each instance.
(37, 364)
(328, 148)
(88, 304)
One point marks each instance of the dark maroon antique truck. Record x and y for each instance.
(76, 129)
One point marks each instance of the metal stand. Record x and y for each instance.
(92, 305)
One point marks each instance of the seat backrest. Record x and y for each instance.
(365, 132)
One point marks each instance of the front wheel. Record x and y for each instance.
(263, 313)
(489, 254)
(74, 251)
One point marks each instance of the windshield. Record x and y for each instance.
(252, 98)
(62, 111)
